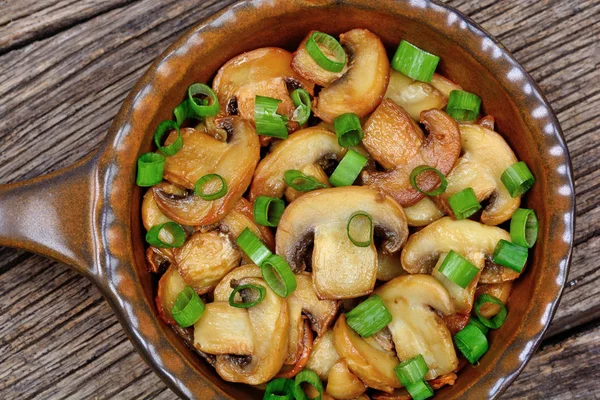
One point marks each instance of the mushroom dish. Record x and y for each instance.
(329, 224)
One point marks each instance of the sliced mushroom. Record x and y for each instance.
(205, 259)
(485, 157)
(362, 86)
(223, 289)
(323, 356)
(423, 249)
(159, 259)
(423, 213)
(388, 266)
(499, 290)
(314, 170)
(151, 214)
(303, 352)
(372, 365)
(202, 154)
(462, 298)
(343, 384)
(396, 142)
(265, 72)
(416, 327)
(241, 217)
(340, 268)
(223, 329)
(302, 149)
(307, 67)
(169, 287)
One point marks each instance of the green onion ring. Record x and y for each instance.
(497, 321)
(517, 179)
(471, 342)
(414, 62)
(348, 169)
(464, 203)
(151, 167)
(266, 119)
(524, 227)
(424, 168)
(463, 106)
(160, 133)
(348, 130)
(202, 109)
(313, 49)
(301, 100)
(280, 389)
(188, 308)
(278, 275)
(301, 182)
(268, 210)
(369, 317)
(174, 229)
(358, 243)
(199, 187)
(412, 370)
(310, 377)
(260, 290)
(510, 255)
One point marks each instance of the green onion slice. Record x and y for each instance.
(463, 106)
(200, 190)
(188, 308)
(268, 210)
(369, 317)
(310, 377)
(280, 389)
(517, 179)
(182, 112)
(161, 132)
(151, 167)
(464, 203)
(313, 47)
(301, 100)
(301, 182)
(360, 229)
(424, 168)
(167, 235)
(259, 294)
(420, 390)
(199, 107)
(412, 370)
(497, 321)
(414, 62)
(348, 169)
(471, 342)
(477, 323)
(348, 130)
(510, 255)
(524, 227)
(457, 269)
(253, 246)
(278, 275)
(266, 119)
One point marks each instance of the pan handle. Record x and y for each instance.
(52, 215)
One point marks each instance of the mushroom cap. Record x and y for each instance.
(486, 155)
(343, 384)
(362, 86)
(416, 328)
(223, 330)
(324, 355)
(397, 142)
(302, 149)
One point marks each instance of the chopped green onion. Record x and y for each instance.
(278, 275)
(182, 112)
(301, 100)
(202, 109)
(524, 227)
(253, 246)
(369, 317)
(266, 119)
(424, 168)
(420, 390)
(360, 224)
(160, 133)
(348, 130)
(477, 323)
(517, 179)
(412, 370)
(457, 269)
(510, 255)
(167, 235)
(188, 308)
(259, 290)
(151, 167)
(280, 389)
(313, 48)
(414, 62)
(205, 180)
(471, 342)
(463, 106)
(497, 321)
(464, 203)
(348, 169)
(310, 377)
(268, 210)
(301, 182)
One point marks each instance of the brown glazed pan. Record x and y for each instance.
(88, 215)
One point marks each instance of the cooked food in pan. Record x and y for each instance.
(327, 224)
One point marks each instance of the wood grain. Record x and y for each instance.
(67, 65)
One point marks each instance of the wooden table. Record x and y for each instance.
(65, 68)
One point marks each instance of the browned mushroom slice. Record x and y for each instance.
(302, 149)
(202, 154)
(303, 354)
(461, 297)
(151, 213)
(388, 266)
(323, 356)
(264, 72)
(340, 269)
(343, 384)
(314, 170)
(485, 157)
(159, 259)
(499, 290)
(307, 67)
(169, 287)
(374, 366)
(205, 259)
(241, 217)
(223, 289)
(363, 85)
(396, 142)
(424, 212)
(223, 329)
(416, 327)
